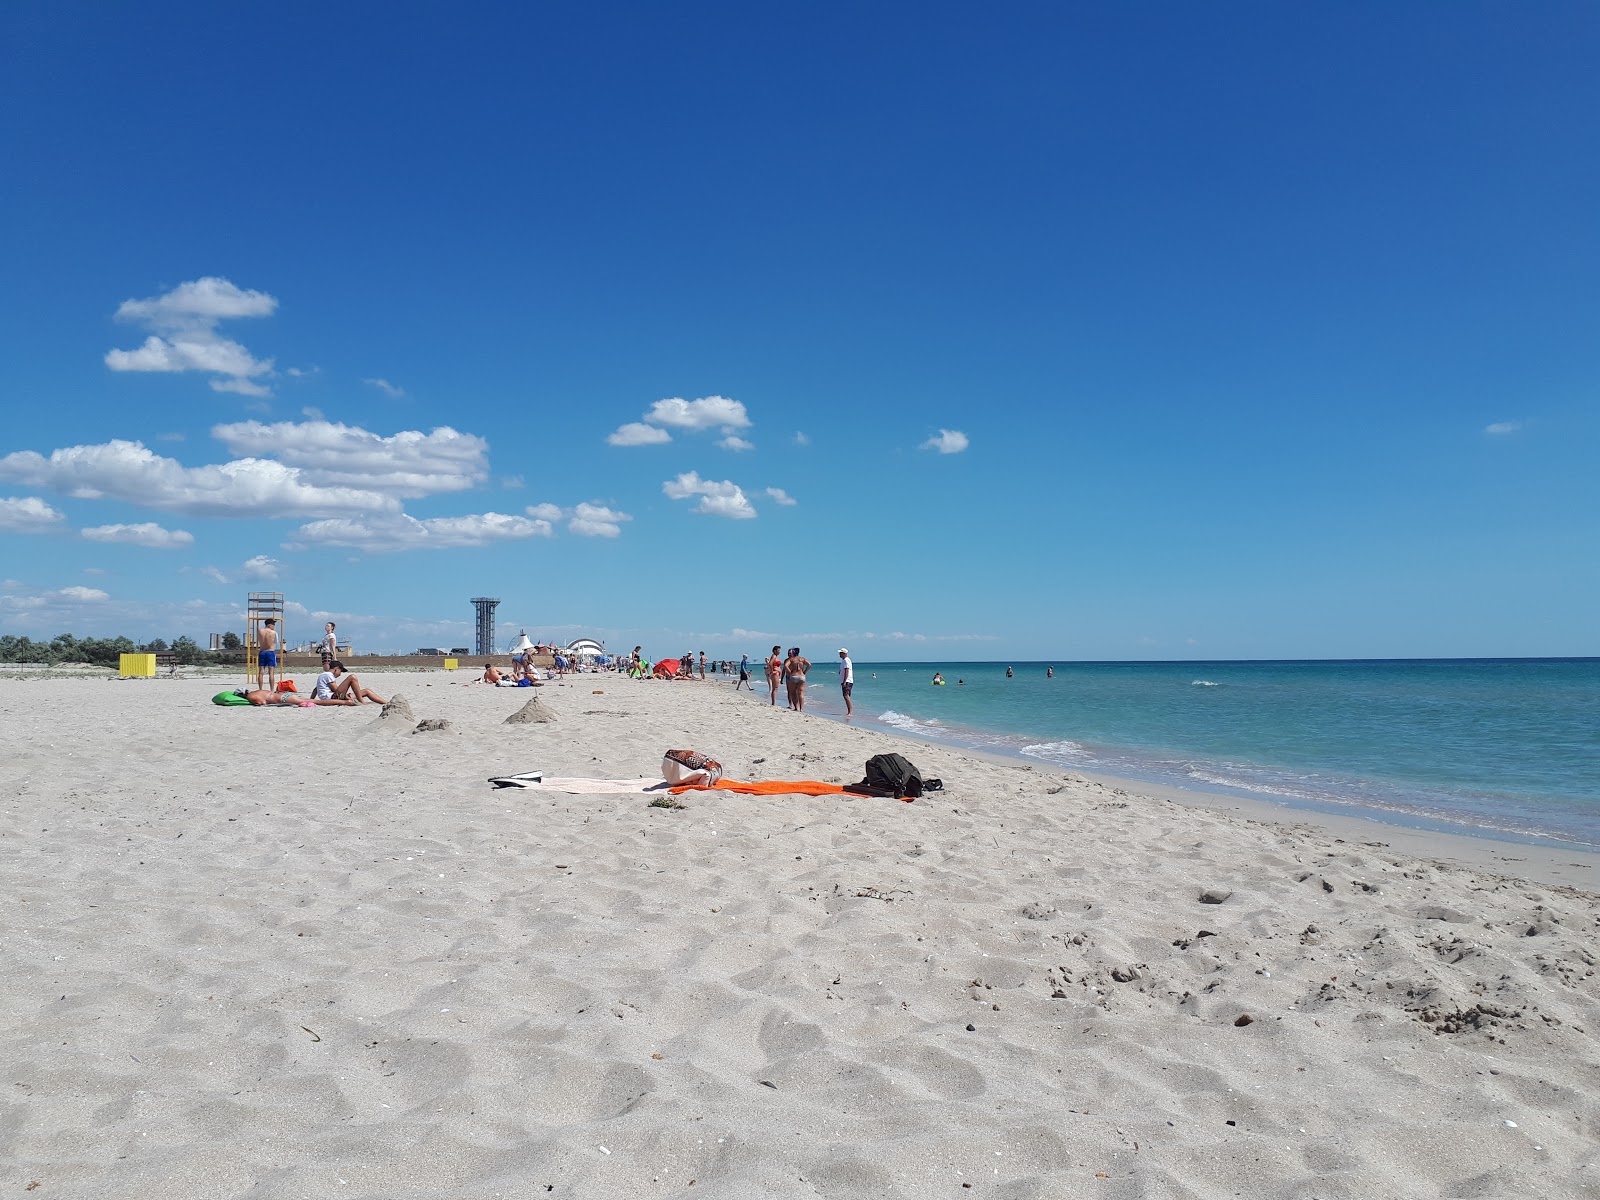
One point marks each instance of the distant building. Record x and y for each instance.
(429, 652)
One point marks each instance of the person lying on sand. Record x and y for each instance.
(334, 686)
(267, 696)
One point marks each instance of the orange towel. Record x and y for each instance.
(772, 787)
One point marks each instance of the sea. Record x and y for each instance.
(1500, 748)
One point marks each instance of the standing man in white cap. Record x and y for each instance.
(847, 679)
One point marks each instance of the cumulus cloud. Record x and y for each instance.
(88, 595)
(407, 464)
(128, 471)
(717, 499)
(399, 531)
(946, 441)
(635, 433)
(147, 534)
(183, 334)
(782, 497)
(28, 514)
(1503, 427)
(708, 412)
(387, 388)
(261, 568)
(595, 520)
(585, 520)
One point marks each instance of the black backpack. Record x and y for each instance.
(889, 775)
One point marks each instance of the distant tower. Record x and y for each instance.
(485, 606)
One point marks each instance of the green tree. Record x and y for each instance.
(231, 641)
(185, 650)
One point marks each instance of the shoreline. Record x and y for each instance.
(1555, 860)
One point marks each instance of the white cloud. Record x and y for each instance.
(717, 499)
(29, 514)
(636, 434)
(782, 497)
(86, 594)
(387, 388)
(311, 412)
(586, 520)
(147, 534)
(400, 531)
(946, 441)
(511, 481)
(801, 439)
(128, 471)
(1503, 427)
(734, 442)
(262, 568)
(94, 570)
(708, 412)
(595, 520)
(408, 464)
(184, 337)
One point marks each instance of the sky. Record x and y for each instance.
(941, 332)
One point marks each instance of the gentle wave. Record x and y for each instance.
(1203, 683)
(1057, 752)
(929, 728)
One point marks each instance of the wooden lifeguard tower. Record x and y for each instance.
(259, 606)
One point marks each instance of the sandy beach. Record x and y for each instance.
(312, 953)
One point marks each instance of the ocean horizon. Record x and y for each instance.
(1504, 748)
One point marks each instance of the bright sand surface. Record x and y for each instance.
(308, 953)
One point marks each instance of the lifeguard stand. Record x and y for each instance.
(258, 607)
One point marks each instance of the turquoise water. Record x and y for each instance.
(1496, 747)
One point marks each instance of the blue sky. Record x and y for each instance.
(1058, 331)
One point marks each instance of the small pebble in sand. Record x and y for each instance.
(1214, 895)
(1244, 1019)
(974, 1029)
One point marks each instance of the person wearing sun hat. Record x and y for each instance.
(847, 679)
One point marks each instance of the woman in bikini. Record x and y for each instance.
(796, 666)
(774, 673)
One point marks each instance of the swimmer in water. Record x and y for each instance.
(1008, 672)
(959, 682)
(938, 678)
(1049, 672)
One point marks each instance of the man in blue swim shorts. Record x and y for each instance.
(267, 655)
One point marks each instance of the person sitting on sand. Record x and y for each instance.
(491, 673)
(336, 687)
